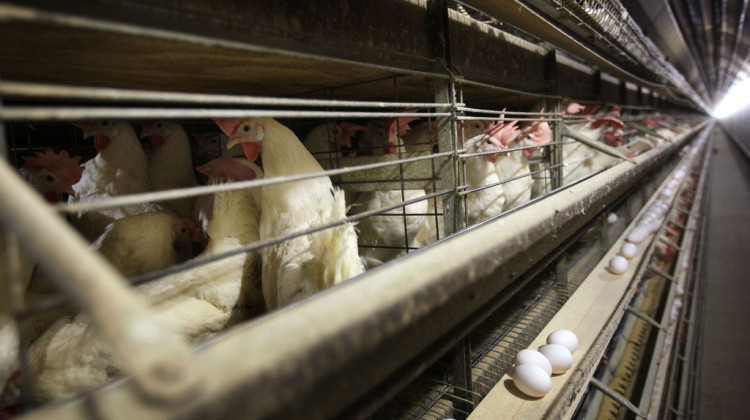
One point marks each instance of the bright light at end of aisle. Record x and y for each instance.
(737, 98)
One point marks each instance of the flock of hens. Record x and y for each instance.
(65, 354)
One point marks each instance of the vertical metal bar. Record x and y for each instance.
(438, 39)
(461, 379)
(554, 105)
(623, 93)
(445, 92)
(400, 151)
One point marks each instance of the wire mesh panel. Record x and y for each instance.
(217, 209)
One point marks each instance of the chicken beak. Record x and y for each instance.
(90, 132)
(68, 189)
(147, 132)
(232, 142)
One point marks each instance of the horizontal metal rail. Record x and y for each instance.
(26, 90)
(40, 113)
(308, 349)
(157, 196)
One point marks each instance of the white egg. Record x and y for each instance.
(618, 265)
(565, 338)
(637, 235)
(559, 357)
(532, 380)
(533, 357)
(653, 226)
(628, 250)
(612, 218)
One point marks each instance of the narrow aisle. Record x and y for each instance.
(725, 365)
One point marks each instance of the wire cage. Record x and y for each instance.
(426, 145)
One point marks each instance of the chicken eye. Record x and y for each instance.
(158, 125)
(49, 178)
(183, 230)
(246, 128)
(105, 123)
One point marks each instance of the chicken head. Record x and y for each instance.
(501, 131)
(101, 131)
(52, 174)
(248, 133)
(157, 131)
(344, 133)
(538, 131)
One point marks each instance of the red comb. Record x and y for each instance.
(229, 125)
(539, 131)
(601, 120)
(65, 168)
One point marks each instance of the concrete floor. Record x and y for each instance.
(725, 356)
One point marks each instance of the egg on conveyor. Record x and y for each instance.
(533, 357)
(628, 250)
(637, 235)
(559, 357)
(532, 380)
(565, 338)
(612, 218)
(618, 265)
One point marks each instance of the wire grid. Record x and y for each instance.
(518, 322)
(207, 132)
(623, 362)
(608, 20)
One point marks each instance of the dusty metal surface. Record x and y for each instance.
(298, 361)
(268, 48)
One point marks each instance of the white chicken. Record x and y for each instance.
(52, 175)
(384, 135)
(120, 168)
(515, 164)
(147, 242)
(301, 266)
(480, 172)
(224, 169)
(580, 159)
(134, 245)
(434, 224)
(70, 357)
(422, 137)
(326, 141)
(386, 236)
(170, 165)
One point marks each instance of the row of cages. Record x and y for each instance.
(166, 201)
(643, 366)
(222, 211)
